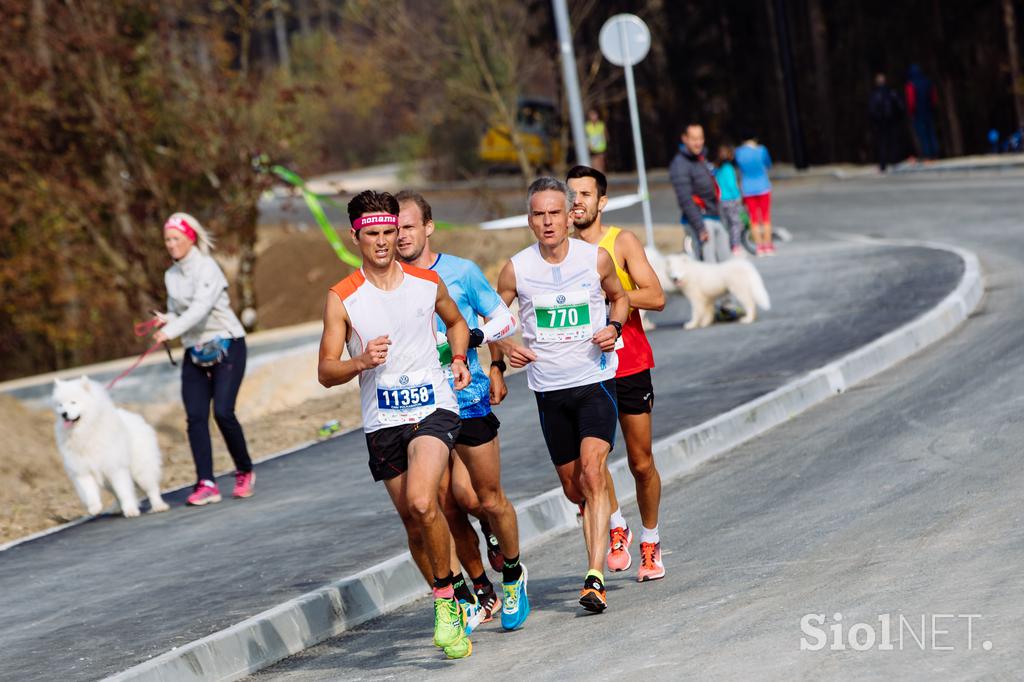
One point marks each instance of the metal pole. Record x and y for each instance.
(638, 146)
(572, 84)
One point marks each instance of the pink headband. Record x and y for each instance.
(366, 221)
(180, 225)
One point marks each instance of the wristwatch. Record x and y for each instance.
(476, 337)
(618, 327)
(500, 364)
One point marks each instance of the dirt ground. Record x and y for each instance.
(295, 269)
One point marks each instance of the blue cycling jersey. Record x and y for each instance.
(476, 298)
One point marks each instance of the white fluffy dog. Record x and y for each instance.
(704, 283)
(105, 446)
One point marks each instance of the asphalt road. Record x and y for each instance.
(897, 502)
(108, 594)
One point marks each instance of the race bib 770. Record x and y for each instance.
(563, 317)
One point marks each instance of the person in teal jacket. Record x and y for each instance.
(731, 202)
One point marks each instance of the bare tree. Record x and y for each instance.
(495, 41)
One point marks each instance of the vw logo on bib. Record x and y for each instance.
(560, 299)
(403, 380)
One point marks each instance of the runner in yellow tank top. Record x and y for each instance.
(633, 376)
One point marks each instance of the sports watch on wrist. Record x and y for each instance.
(618, 327)
(500, 364)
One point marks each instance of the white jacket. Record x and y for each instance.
(198, 307)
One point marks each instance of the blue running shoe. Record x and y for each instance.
(516, 603)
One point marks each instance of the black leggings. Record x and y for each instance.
(219, 383)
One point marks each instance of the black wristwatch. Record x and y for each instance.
(500, 364)
(618, 327)
(476, 337)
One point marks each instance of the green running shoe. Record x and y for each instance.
(449, 625)
(461, 649)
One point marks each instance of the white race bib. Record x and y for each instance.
(563, 317)
(405, 398)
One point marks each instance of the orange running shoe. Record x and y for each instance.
(618, 551)
(592, 596)
(651, 567)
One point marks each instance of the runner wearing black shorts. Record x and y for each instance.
(569, 415)
(569, 337)
(409, 409)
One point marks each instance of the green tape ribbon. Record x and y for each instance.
(314, 202)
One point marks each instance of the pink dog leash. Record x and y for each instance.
(143, 329)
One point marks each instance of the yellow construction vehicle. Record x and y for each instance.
(539, 127)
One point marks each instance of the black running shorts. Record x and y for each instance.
(635, 393)
(569, 415)
(478, 430)
(389, 448)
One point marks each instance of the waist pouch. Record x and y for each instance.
(210, 353)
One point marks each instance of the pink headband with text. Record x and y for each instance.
(366, 221)
(182, 226)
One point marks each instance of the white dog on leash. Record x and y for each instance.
(105, 446)
(704, 283)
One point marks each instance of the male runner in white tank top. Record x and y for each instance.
(384, 312)
(475, 481)
(570, 360)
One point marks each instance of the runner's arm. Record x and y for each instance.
(648, 295)
(457, 333)
(618, 304)
(518, 356)
(332, 370)
(500, 322)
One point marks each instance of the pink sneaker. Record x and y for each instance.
(618, 552)
(651, 567)
(244, 483)
(205, 492)
(769, 249)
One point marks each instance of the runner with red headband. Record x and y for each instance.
(384, 314)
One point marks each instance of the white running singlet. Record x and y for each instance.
(410, 385)
(562, 306)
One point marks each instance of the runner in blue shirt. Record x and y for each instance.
(476, 466)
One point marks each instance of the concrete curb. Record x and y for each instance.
(313, 617)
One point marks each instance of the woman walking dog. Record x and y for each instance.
(199, 311)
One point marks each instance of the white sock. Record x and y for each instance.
(649, 535)
(618, 520)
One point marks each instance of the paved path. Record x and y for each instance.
(108, 594)
(900, 498)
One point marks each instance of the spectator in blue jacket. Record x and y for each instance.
(753, 161)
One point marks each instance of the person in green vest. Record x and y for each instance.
(597, 139)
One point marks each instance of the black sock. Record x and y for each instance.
(485, 527)
(441, 583)
(482, 584)
(462, 589)
(511, 571)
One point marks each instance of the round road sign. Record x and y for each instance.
(625, 40)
